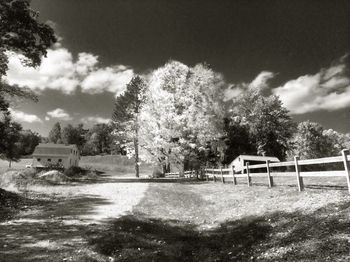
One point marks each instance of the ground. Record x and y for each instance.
(108, 220)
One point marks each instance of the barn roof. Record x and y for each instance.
(53, 150)
(258, 158)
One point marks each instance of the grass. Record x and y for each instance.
(116, 164)
(215, 222)
(189, 221)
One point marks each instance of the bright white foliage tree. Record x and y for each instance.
(182, 111)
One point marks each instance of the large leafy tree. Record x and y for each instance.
(268, 122)
(181, 113)
(55, 134)
(28, 141)
(22, 33)
(312, 141)
(126, 116)
(74, 135)
(9, 140)
(98, 140)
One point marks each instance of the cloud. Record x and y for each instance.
(24, 117)
(59, 113)
(329, 89)
(111, 79)
(261, 80)
(47, 118)
(95, 120)
(59, 71)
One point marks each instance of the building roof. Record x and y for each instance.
(53, 150)
(258, 158)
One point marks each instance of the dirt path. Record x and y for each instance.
(56, 230)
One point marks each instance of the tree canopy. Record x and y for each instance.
(181, 113)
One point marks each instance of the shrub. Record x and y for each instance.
(74, 171)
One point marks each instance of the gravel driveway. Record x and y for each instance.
(56, 230)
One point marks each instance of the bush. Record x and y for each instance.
(74, 171)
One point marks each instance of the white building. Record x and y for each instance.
(241, 161)
(56, 155)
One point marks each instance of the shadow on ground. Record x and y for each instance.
(323, 235)
(51, 232)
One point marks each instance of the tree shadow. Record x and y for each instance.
(50, 232)
(323, 235)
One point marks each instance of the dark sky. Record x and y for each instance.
(238, 38)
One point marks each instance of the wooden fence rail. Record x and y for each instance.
(246, 171)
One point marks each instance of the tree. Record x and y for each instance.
(9, 140)
(28, 141)
(126, 116)
(312, 141)
(181, 113)
(74, 135)
(237, 140)
(55, 135)
(269, 124)
(98, 140)
(22, 33)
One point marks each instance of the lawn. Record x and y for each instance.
(216, 222)
(189, 221)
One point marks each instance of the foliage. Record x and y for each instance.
(312, 141)
(237, 140)
(98, 140)
(9, 140)
(55, 135)
(28, 141)
(74, 171)
(268, 122)
(74, 135)
(126, 117)
(181, 113)
(22, 33)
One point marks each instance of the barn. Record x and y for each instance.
(57, 155)
(241, 161)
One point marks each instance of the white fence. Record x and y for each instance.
(247, 171)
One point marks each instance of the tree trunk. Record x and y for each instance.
(136, 146)
(10, 163)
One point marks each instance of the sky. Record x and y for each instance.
(298, 50)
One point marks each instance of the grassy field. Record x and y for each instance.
(189, 221)
(116, 164)
(215, 222)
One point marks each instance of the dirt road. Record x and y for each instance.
(55, 230)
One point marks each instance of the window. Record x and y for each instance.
(49, 159)
(60, 160)
(38, 159)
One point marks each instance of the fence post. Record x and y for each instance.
(233, 175)
(297, 172)
(248, 174)
(345, 153)
(269, 177)
(222, 175)
(214, 177)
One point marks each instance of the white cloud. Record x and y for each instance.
(95, 120)
(328, 89)
(24, 117)
(111, 79)
(59, 71)
(261, 80)
(60, 114)
(47, 118)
